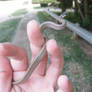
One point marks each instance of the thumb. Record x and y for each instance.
(5, 74)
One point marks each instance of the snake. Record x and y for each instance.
(42, 52)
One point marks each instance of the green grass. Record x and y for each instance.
(44, 1)
(25, 3)
(7, 29)
(4, 0)
(38, 7)
(19, 12)
(78, 66)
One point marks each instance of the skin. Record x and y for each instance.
(43, 79)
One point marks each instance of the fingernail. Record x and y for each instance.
(62, 80)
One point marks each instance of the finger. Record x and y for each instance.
(36, 42)
(64, 84)
(18, 55)
(57, 61)
(5, 75)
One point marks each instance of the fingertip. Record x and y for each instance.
(7, 49)
(32, 27)
(65, 84)
(52, 47)
(62, 80)
(51, 43)
(32, 23)
(4, 49)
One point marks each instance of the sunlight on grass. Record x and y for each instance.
(19, 12)
(8, 29)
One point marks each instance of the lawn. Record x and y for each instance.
(19, 12)
(8, 29)
(78, 66)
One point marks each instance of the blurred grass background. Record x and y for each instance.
(8, 29)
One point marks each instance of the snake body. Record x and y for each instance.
(42, 52)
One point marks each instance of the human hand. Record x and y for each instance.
(42, 79)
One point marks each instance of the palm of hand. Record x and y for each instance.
(37, 84)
